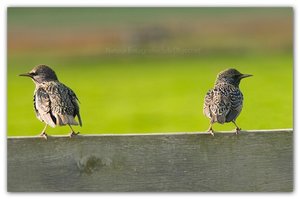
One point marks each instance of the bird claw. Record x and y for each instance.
(73, 134)
(237, 131)
(211, 131)
(44, 135)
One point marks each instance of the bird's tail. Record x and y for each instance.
(79, 119)
(66, 119)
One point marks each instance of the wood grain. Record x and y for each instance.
(193, 162)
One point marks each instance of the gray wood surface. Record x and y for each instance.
(250, 162)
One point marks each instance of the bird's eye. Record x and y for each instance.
(33, 73)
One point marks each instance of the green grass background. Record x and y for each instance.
(151, 92)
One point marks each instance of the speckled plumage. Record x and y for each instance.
(54, 103)
(224, 102)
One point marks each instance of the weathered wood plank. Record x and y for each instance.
(251, 161)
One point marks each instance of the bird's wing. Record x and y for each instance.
(221, 105)
(236, 101)
(42, 106)
(35, 108)
(75, 101)
(217, 104)
(62, 103)
(207, 103)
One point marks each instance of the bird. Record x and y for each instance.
(54, 103)
(224, 102)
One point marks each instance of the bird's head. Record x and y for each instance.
(41, 73)
(231, 76)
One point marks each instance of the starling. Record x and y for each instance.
(224, 102)
(54, 103)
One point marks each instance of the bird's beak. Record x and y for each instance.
(245, 75)
(26, 75)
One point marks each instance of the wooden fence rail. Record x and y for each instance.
(253, 161)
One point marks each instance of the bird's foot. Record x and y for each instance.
(211, 131)
(44, 135)
(237, 130)
(73, 134)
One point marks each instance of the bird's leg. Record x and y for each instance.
(72, 134)
(210, 129)
(43, 133)
(238, 129)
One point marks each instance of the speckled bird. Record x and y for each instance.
(224, 102)
(54, 103)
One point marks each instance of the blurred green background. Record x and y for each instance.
(138, 70)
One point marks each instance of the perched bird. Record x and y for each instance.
(54, 103)
(224, 102)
